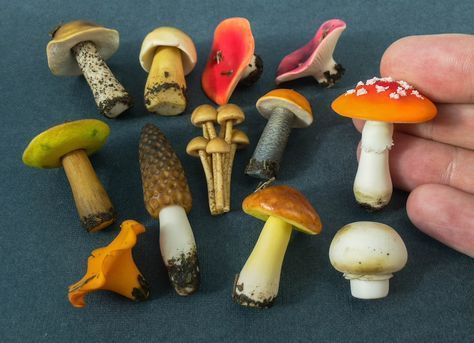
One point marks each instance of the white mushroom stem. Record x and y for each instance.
(369, 287)
(178, 249)
(373, 185)
(110, 96)
(258, 282)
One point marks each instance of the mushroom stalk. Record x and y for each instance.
(265, 161)
(110, 96)
(206, 165)
(369, 288)
(166, 85)
(93, 204)
(178, 249)
(373, 184)
(252, 72)
(258, 282)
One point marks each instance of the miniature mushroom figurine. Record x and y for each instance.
(168, 55)
(232, 60)
(68, 145)
(368, 253)
(112, 268)
(168, 198)
(81, 47)
(285, 109)
(315, 58)
(282, 208)
(381, 102)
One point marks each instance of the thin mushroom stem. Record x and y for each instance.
(228, 173)
(266, 158)
(93, 204)
(219, 181)
(258, 282)
(209, 180)
(373, 184)
(110, 96)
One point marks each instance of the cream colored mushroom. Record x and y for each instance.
(218, 147)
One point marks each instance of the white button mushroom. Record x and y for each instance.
(368, 253)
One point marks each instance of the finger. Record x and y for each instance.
(439, 66)
(453, 125)
(444, 213)
(415, 161)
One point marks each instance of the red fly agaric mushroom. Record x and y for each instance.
(381, 102)
(231, 61)
(168, 198)
(315, 58)
(68, 145)
(285, 109)
(167, 54)
(80, 47)
(282, 208)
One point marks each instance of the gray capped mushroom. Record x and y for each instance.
(81, 47)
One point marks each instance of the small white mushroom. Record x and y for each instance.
(368, 253)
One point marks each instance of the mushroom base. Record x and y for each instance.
(98, 221)
(264, 170)
(253, 71)
(369, 289)
(331, 76)
(244, 300)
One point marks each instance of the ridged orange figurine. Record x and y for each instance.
(112, 268)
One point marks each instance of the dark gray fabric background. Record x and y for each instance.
(44, 249)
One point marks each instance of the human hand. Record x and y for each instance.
(434, 161)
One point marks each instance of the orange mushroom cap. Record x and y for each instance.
(387, 100)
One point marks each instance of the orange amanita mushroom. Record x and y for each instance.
(112, 268)
(381, 102)
(232, 60)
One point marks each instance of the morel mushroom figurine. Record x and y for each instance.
(232, 60)
(168, 55)
(381, 102)
(112, 268)
(282, 208)
(81, 47)
(368, 253)
(285, 109)
(68, 145)
(168, 198)
(315, 58)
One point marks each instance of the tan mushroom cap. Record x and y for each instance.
(168, 36)
(240, 139)
(285, 203)
(47, 149)
(230, 112)
(195, 145)
(203, 114)
(61, 60)
(290, 100)
(217, 145)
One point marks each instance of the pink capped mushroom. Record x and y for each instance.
(315, 58)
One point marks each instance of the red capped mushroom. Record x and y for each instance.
(231, 61)
(315, 58)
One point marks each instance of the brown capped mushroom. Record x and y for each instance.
(168, 198)
(81, 47)
(205, 116)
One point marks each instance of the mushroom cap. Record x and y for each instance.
(195, 145)
(290, 100)
(240, 139)
(230, 112)
(285, 203)
(61, 60)
(168, 36)
(307, 59)
(386, 100)
(203, 114)
(217, 145)
(47, 148)
(367, 248)
(232, 50)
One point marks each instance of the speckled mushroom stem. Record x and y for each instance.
(110, 96)
(206, 165)
(258, 282)
(266, 158)
(93, 204)
(178, 249)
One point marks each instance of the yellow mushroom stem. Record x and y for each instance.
(258, 282)
(219, 180)
(209, 181)
(93, 204)
(165, 87)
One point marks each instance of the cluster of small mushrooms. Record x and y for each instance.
(217, 150)
(368, 253)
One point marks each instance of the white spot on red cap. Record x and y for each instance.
(350, 91)
(381, 89)
(394, 96)
(361, 91)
